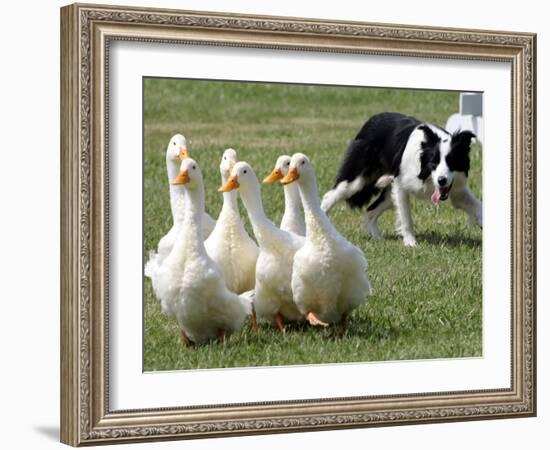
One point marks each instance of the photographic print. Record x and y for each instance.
(297, 224)
(342, 212)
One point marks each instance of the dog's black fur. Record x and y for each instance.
(399, 155)
(378, 148)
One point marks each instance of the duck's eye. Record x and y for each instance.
(244, 171)
(303, 162)
(194, 167)
(173, 143)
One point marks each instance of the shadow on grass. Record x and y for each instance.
(298, 339)
(439, 240)
(356, 327)
(371, 330)
(434, 238)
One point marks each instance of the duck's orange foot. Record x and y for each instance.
(315, 321)
(280, 322)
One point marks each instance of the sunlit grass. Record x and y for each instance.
(427, 301)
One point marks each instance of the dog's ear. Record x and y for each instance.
(462, 140)
(431, 137)
(459, 157)
(430, 156)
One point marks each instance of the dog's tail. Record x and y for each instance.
(355, 180)
(348, 180)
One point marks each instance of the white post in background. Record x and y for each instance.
(470, 115)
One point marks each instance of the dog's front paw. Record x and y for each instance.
(409, 241)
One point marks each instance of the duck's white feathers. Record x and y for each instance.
(177, 208)
(166, 243)
(234, 251)
(208, 224)
(191, 286)
(163, 250)
(229, 245)
(329, 274)
(193, 290)
(329, 279)
(293, 217)
(273, 292)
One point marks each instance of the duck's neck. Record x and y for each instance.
(316, 220)
(190, 238)
(261, 225)
(177, 192)
(230, 205)
(293, 210)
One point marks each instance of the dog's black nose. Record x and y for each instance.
(442, 181)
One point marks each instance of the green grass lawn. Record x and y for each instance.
(427, 301)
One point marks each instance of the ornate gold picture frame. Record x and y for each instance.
(87, 31)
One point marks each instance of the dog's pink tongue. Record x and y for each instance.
(436, 196)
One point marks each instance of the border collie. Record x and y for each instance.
(396, 155)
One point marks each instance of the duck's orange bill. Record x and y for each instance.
(291, 176)
(276, 175)
(184, 153)
(182, 178)
(232, 183)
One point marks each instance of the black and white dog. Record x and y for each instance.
(396, 155)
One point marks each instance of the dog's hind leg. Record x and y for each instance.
(404, 220)
(342, 191)
(375, 210)
(464, 199)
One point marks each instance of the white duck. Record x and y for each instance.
(176, 151)
(229, 242)
(329, 276)
(189, 284)
(293, 217)
(272, 293)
